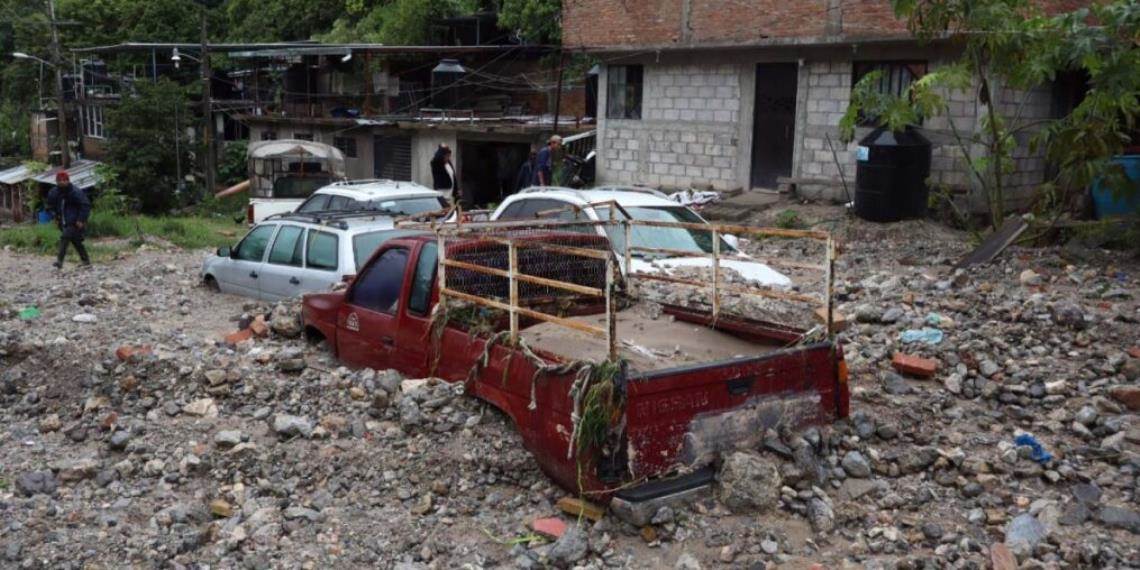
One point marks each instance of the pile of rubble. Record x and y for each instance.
(147, 421)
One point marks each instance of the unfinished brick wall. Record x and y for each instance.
(751, 20)
(688, 133)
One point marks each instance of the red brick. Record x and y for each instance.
(259, 328)
(126, 352)
(914, 365)
(238, 337)
(551, 527)
(1127, 395)
(1001, 557)
(1134, 352)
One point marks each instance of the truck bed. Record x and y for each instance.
(650, 340)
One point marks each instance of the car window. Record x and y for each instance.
(322, 251)
(378, 289)
(513, 211)
(697, 241)
(341, 203)
(406, 206)
(364, 245)
(318, 203)
(527, 209)
(423, 280)
(287, 246)
(252, 248)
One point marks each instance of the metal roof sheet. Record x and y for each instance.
(15, 175)
(83, 174)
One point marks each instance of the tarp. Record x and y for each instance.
(287, 148)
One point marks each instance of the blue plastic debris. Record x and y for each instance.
(934, 319)
(1039, 454)
(926, 335)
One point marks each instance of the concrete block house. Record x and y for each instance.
(729, 94)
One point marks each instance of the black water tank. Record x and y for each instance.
(890, 175)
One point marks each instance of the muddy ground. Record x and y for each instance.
(269, 455)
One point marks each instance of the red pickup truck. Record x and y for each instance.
(690, 386)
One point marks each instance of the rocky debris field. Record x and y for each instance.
(136, 430)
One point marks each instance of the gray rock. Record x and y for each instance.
(390, 380)
(932, 531)
(686, 561)
(895, 384)
(1117, 517)
(291, 426)
(988, 368)
(85, 318)
(1087, 493)
(1087, 416)
(571, 547)
(1024, 533)
(293, 513)
(227, 438)
(36, 482)
(892, 315)
(856, 465)
(821, 515)
(748, 482)
(285, 320)
(410, 414)
(1075, 514)
(918, 459)
(119, 440)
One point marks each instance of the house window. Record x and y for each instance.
(268, 135)
(303, 136)
(623, 91)
(895, 78)
(347, 145)
(93, 121)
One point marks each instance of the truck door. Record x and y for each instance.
(368, 320)
(413, 343)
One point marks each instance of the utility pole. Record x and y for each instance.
(61, 111)
(558, 92)
(207, 109)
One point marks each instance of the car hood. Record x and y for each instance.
(753, 271)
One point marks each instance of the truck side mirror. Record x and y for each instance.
(223, 251)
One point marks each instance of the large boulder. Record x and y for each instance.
(286, 319)
(748, 482)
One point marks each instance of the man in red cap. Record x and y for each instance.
(71, 209)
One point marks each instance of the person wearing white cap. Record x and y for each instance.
(544, 163)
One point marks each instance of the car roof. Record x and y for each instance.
(628, 196)
(378, 188)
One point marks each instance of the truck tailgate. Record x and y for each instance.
(683, 417)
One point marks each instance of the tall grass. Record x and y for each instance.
(185, 232)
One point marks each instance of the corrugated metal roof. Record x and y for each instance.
(83, 174)
(15, 175)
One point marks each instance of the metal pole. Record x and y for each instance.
(828, 285)
(512, 271)
(611, 318)
(64, 147)
(716, 275)
(558, 94)
(207, 110)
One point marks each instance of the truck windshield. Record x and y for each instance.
(407, 206)
(698, 242)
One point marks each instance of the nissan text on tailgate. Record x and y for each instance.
(622, 392)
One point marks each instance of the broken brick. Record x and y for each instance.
(578, 508)
(550, 527)
(1002, 558)
(838, 321)
(259, 327)
(914, 365)
(126, 352)
(239, 337)
(1134, 352)
(1127, 395)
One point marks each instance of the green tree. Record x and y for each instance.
(141, 152)
(394, 22)
(536, 21)
(1012, 44)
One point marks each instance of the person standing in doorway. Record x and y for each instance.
(525, 176)
(443, 173)
(544, 162)
(71, 209)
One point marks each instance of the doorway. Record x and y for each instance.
(774, 123)
(392, 157)
(488, 170)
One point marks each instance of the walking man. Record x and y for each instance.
(71, 209)
(544, 167)
(443, 173)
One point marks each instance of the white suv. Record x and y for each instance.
(291, 254)
(392, 197)
(553, 202)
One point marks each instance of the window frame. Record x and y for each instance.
(375, 266)
(93, 123)
(861, 68)
(272, 235)
(309, 246)
(426, 301)
(346, 145)
(301, 242)
(626, 90)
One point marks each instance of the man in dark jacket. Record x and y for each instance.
(71, 209)
(544, 167)
(525, 176)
